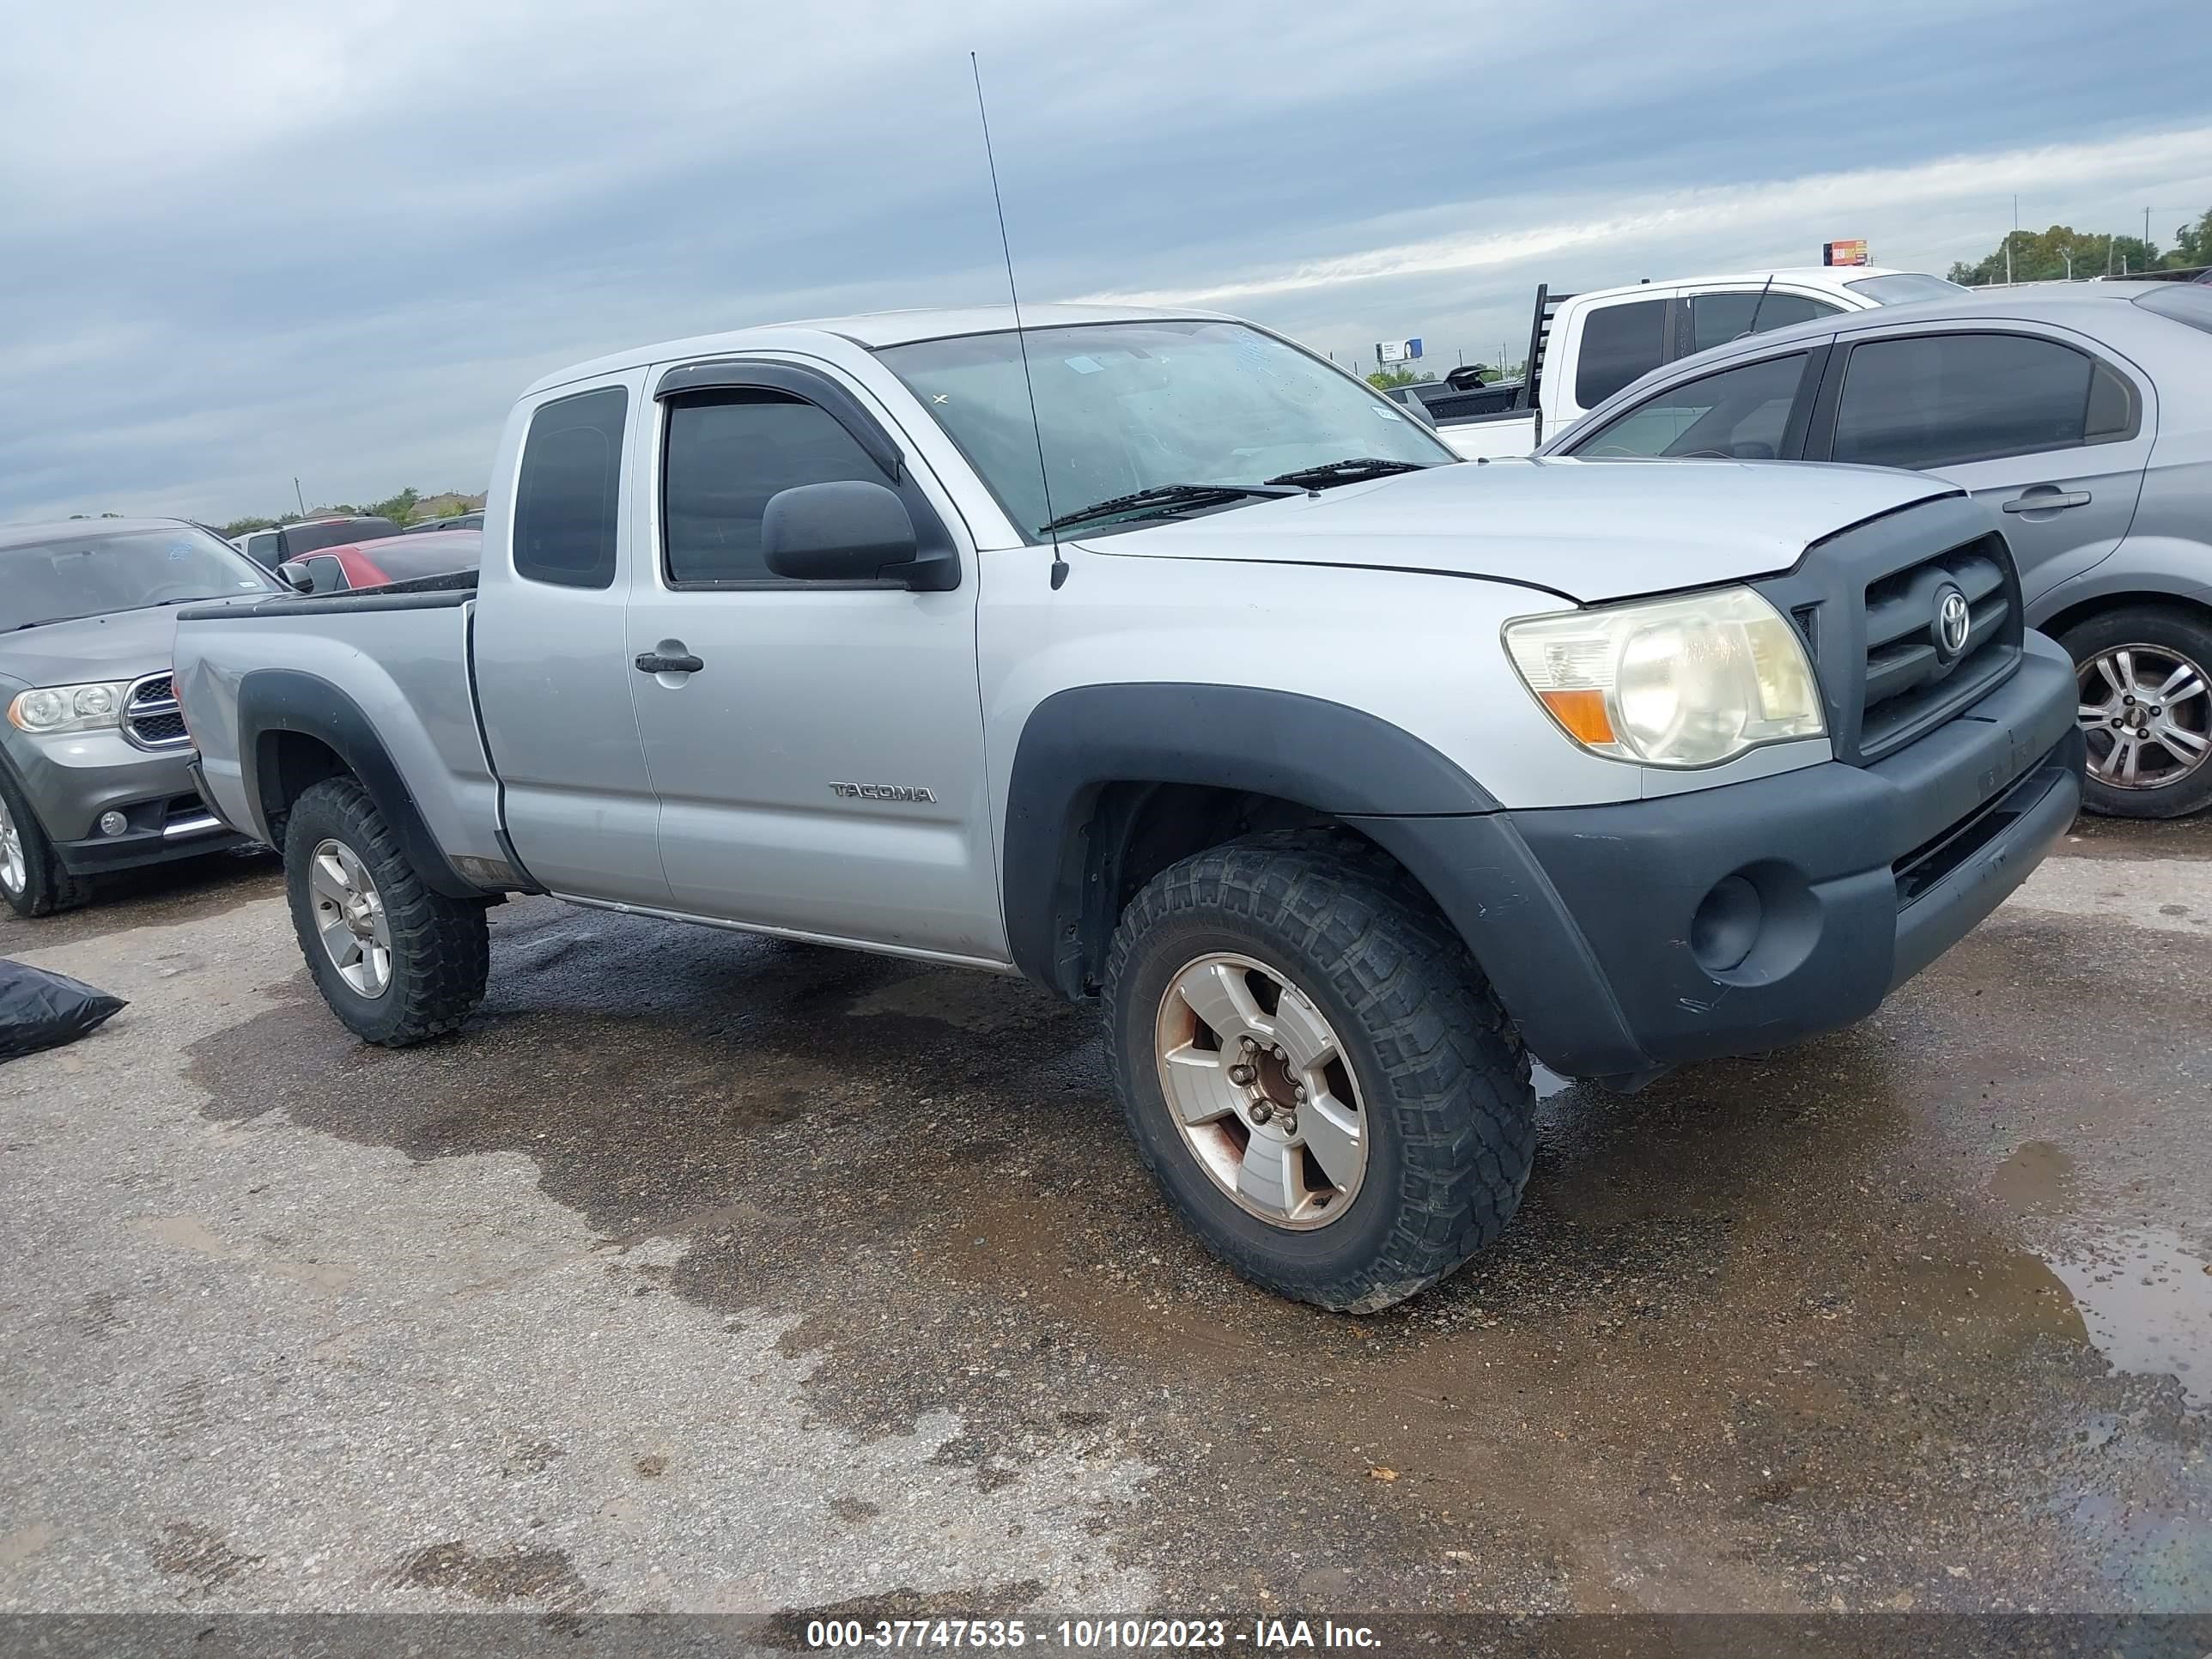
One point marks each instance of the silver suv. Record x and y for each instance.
(94, 754)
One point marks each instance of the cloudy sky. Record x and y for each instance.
(240, 241)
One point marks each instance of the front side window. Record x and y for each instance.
(1716, 318)
(570, 488)
(1620, 344)
(1125, 407)
(325, 575)
(1739, 414)
(727, 452)
(96, 573)
(1937, 400)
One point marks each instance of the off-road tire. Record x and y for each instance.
(1443, 1076)
(2164, 628)
(48, 888)
(441, 946)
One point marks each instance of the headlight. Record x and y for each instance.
(53, 709)
(1680, 682)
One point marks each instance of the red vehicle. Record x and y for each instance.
(391, 559)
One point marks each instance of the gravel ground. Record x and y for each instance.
(712, 1273)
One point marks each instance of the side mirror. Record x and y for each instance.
(849, 530)
(295, 577)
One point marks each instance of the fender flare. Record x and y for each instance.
(1320, 755)
(274, 700)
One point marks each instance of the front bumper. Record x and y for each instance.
(73, 781)
(1630, 938)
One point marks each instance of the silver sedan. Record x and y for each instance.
(2082, 411)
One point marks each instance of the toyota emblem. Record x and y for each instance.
(1954, 622)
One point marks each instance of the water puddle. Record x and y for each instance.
(2145, 1294)
(2037, 1179)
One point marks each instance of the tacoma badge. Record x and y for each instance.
(882, 791)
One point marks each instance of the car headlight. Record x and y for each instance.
(53, 709)
(1690, 681)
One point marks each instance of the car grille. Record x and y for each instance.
(150, 717)
(1911, 683)
(1866, 603)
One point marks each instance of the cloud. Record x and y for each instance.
(1725, 214)
(246, 240)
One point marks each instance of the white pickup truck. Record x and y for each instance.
(1583, 347)
(1153, 657)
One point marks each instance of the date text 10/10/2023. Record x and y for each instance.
(1087, 1635)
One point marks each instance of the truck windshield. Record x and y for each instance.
(1123, 409)
(93, 574)
(1902, 287)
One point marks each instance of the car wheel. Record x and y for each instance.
(32, 877)
(1320, 1080)
(2146, 710)
(398, 962)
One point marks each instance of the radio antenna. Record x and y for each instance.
(1021, 339)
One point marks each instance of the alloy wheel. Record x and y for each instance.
(1260, 1088)
(15, 868)
(350, 917)
(2147, 713)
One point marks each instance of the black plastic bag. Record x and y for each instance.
(39, 1010)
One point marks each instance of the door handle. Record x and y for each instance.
(652, 662)
(2045, 500)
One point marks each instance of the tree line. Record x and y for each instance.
(2062, 253)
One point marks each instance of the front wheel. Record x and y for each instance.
(1315, 1070)
(32, 878)
(2146, 675)
(398, 962)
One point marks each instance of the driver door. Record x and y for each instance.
(821, 770)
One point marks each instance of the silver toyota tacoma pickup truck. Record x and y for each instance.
(1175, 668)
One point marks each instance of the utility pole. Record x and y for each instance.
(298, 497)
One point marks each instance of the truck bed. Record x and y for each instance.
(396, 660)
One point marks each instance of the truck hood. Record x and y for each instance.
(1588, 530)
(120, 646)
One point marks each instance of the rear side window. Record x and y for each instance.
(1620, 344)
(1738, 414)
(264, 548)
(1716, 318)
(301, 539)
(570, 487)
(1937, 400)
(438, 553)
(727, 452)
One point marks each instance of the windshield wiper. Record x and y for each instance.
(1162, 496)
(1351, 471)
(42, 622)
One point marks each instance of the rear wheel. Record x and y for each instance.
(2146, 710)
(398, 962)
(1315, 1070)
(32, 878)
